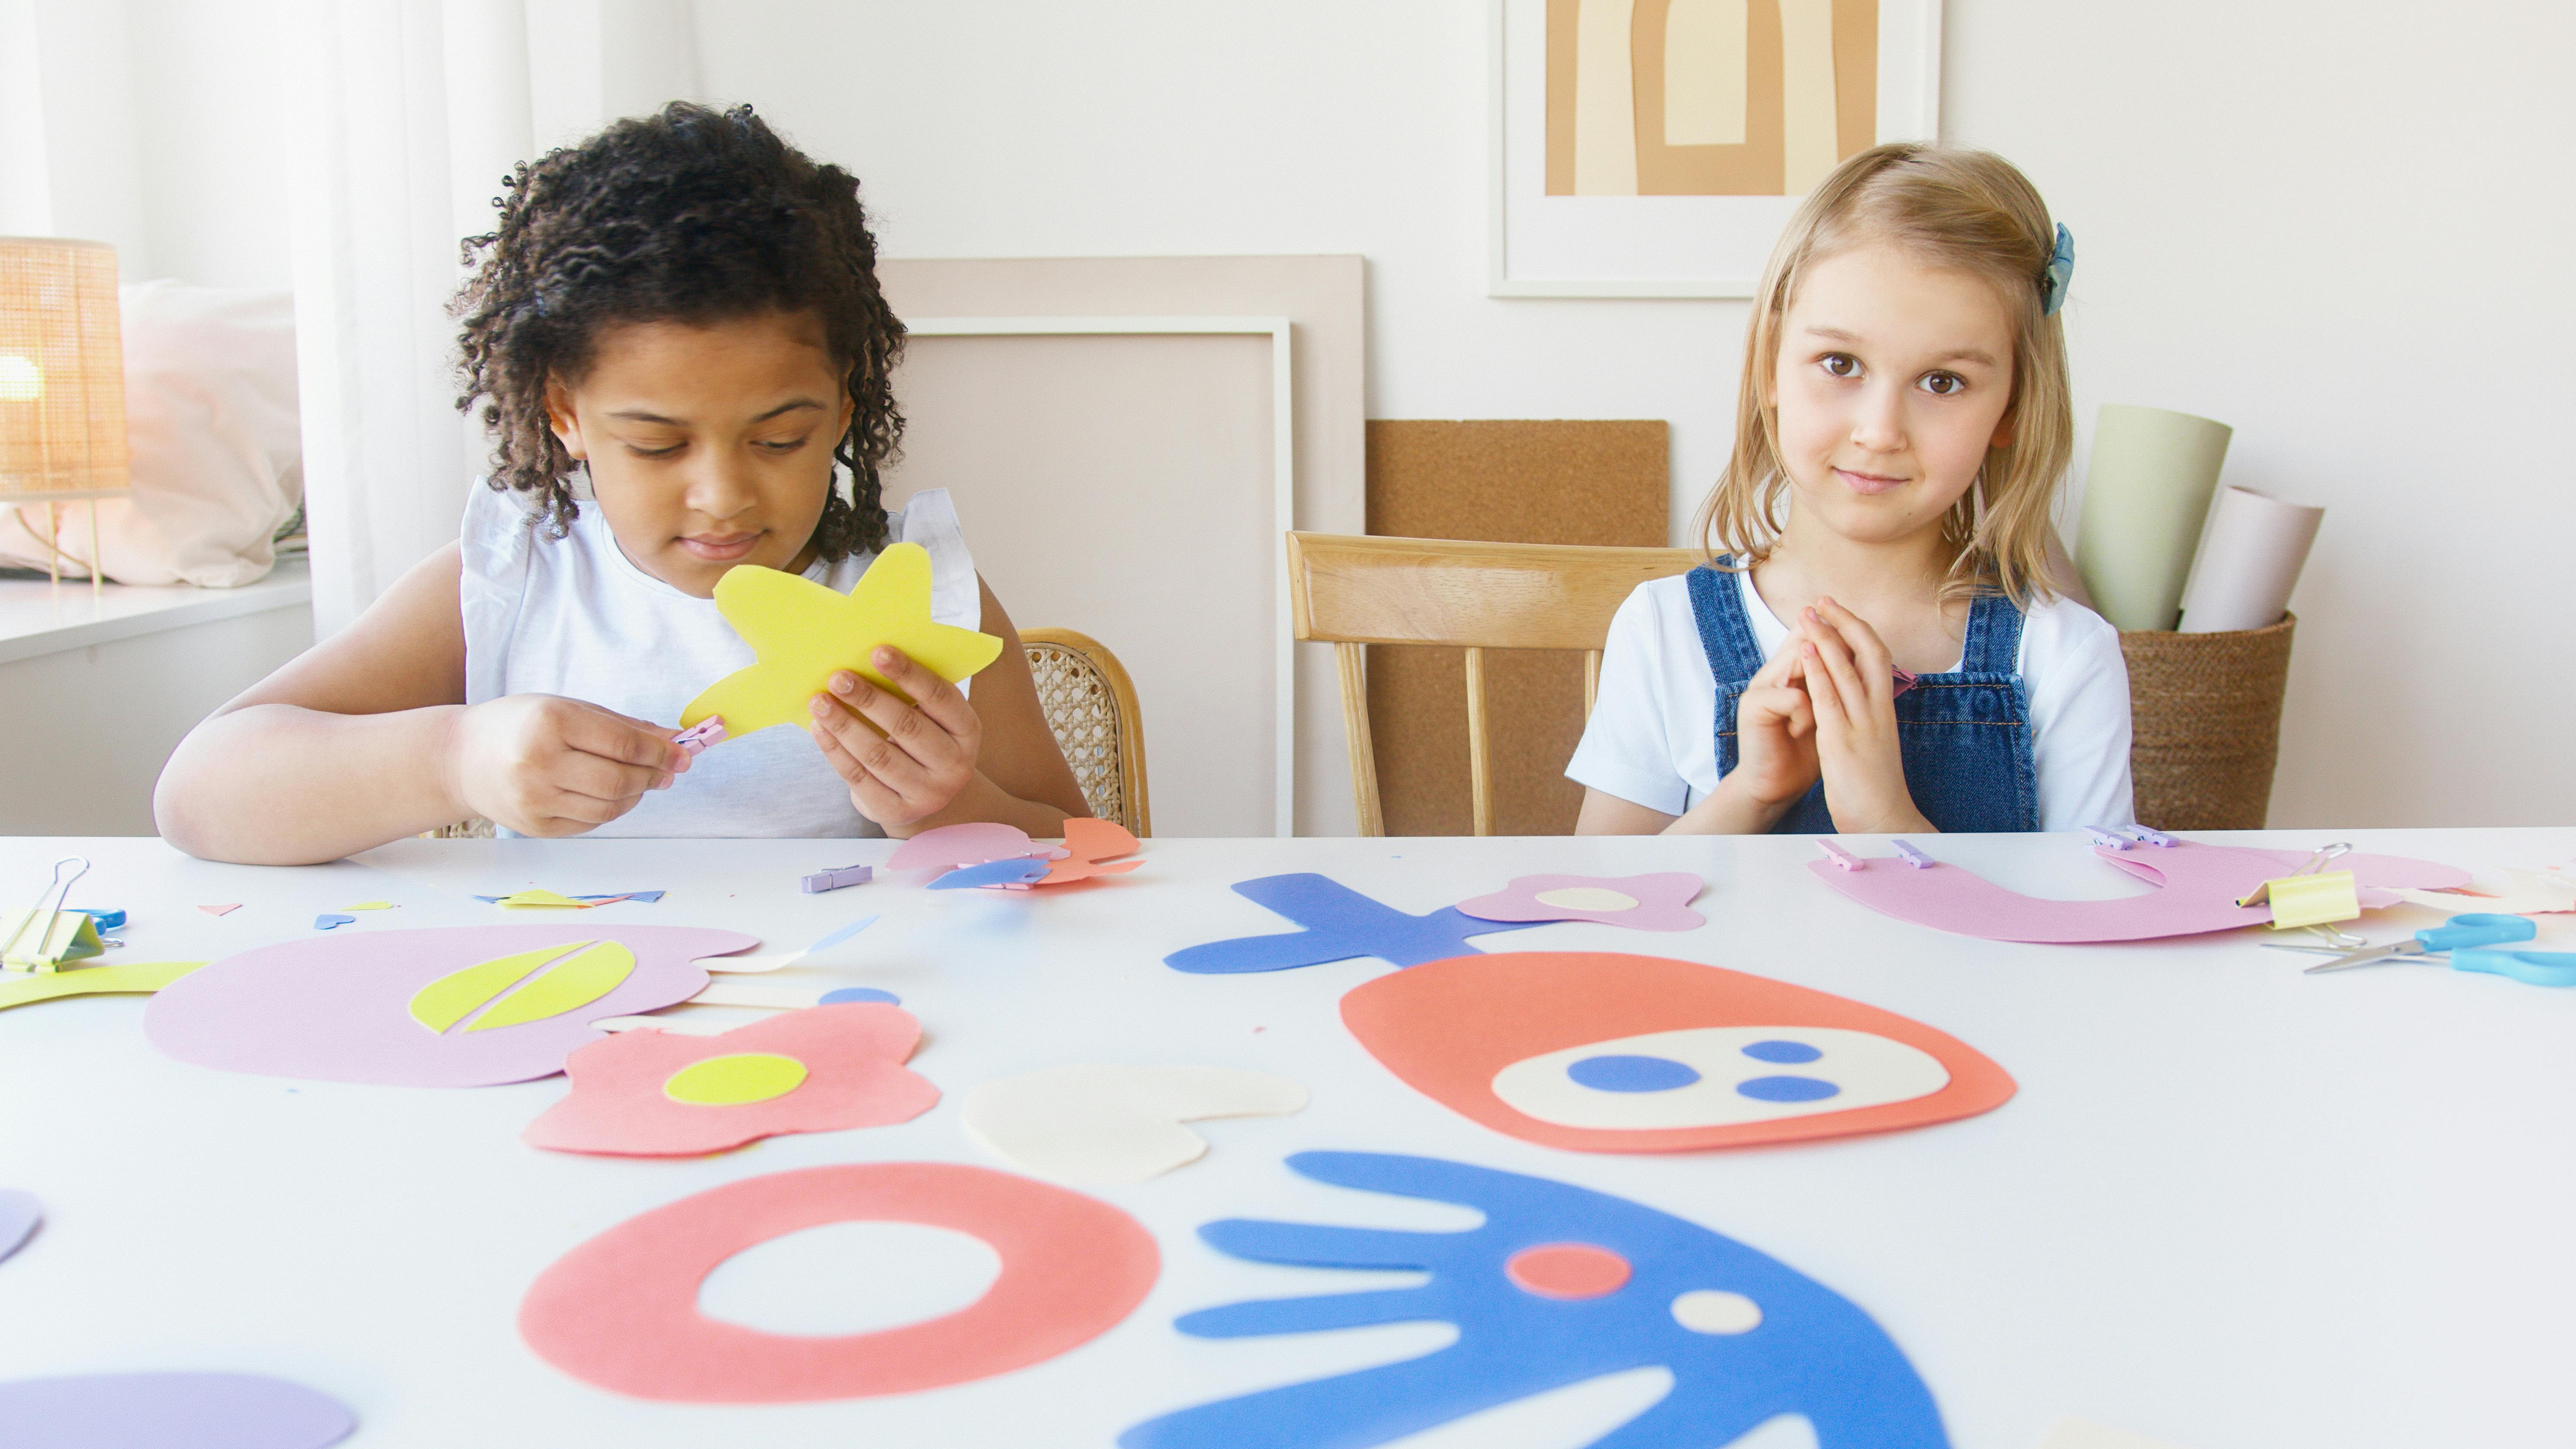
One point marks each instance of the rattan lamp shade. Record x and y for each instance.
(62, 372)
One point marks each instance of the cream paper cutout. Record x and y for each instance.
(1103, 1125)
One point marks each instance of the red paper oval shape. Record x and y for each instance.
(621, 1311)
(1568, 1270)
(1451, 1028)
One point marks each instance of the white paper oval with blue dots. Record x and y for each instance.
(1716, 1075)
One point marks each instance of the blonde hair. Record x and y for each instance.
(1968, 211)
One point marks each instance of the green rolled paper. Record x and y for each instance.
(2146, 496)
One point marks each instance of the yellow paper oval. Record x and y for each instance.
(731, 1081)
(575, 984)
(458, 994)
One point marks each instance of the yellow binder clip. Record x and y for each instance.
(47, 938)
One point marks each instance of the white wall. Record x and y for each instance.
(154, 125)
(2331, 223)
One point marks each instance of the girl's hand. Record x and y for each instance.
(1851, 680)
(544, 765)
(1775, 737)
(904, 763)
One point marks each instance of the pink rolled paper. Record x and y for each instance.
(2249, 563)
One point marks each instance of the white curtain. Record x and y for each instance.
(407, 114)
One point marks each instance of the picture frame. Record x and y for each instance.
(1576, 208)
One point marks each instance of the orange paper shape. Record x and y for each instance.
(665, 1094)
(1600, 1052)
(1095, 845)
(621, 1311)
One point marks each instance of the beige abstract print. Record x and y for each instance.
(1707, 97)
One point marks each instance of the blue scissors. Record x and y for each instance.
(2468, 938)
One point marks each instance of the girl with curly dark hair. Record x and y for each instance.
(678, 346)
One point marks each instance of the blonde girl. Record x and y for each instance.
(1875, 642)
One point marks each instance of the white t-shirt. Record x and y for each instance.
(1652, 738)
(574, 616)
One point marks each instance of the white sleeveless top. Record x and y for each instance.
(574, 616)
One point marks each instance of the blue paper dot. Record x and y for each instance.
(1784, 1052)
(1787, 1089)
(1632, 1074)
(860, 993)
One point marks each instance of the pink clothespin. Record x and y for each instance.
(2107, 840)
(832, 880)
(1842, 859)
(1904, 681)
(698, 736)
(1915, 858)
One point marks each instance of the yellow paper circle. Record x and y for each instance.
(731, 1081)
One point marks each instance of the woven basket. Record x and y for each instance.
(2205, 712)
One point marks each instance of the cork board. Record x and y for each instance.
(1498, 482)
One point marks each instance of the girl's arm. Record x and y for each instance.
(944, 760)
(366, 738)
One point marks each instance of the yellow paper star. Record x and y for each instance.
(801, 632)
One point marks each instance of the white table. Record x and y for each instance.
(2231, 1207)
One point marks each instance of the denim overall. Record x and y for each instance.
(1964, 736)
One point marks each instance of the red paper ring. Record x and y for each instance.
(621, 1311)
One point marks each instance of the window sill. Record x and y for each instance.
(49, 618)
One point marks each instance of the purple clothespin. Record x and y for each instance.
(2153, 837)
(1842, 858)
(1913, 857)
(698, 736)
(2107, 840)
(832, 880)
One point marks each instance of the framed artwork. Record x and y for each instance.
(1654, 148)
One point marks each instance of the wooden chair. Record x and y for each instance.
(1091, 705)
(1354, 592)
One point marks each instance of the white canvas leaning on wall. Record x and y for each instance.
(1655, 148)
(1111, 431)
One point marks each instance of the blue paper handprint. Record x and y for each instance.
(1340, 924)
(1560, 1285)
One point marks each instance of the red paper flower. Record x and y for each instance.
(648, 1093)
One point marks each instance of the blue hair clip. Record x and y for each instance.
(2061, 270)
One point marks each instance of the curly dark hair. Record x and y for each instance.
(692, 215)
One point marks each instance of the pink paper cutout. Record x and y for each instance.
(951, 846)
(621, 1310)
(223, 910)
(337, 1008)
(854, 1077)
(1094, 848)
(1662, 900)
(2200, 887)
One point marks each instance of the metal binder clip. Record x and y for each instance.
(2326, 854)
(42, 956)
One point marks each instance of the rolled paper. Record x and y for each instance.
(2146, 496)
(2257, 545)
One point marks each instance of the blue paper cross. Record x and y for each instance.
(1340, 924)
